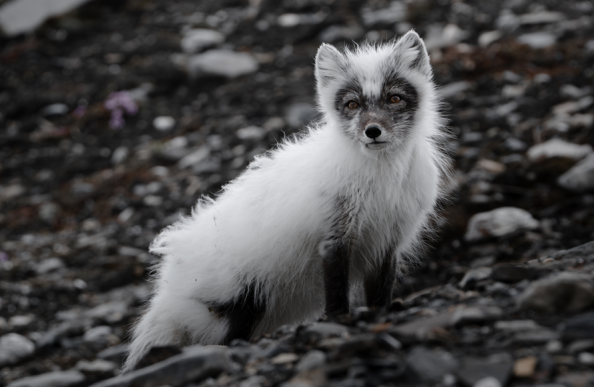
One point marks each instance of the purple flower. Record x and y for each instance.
(117, 102)
(80, 111)
(3, 256)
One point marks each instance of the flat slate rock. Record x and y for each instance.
(51, 379)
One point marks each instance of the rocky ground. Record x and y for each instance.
(117, 116)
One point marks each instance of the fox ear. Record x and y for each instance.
(329, 64)
(412, 51)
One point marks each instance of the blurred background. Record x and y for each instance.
(116, 116)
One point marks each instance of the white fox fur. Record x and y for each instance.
(273, 225)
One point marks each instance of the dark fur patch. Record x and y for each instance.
(379, 284)
(243, 314)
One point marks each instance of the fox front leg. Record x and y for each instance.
(379, 283)
(336, 279)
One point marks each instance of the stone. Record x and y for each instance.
(51, 379)
(488, 381)
(586, 358)
(580, 177)
(516, 325)
(475, 314)
(194, 158)
(541, 17)
(500, 222)
(565, 292)
(443, 36)
(311, 360)
(488, 37)
(97, 366)
(52, 336)
(194, 364)
(513, 273)
(525, 367)
(251, 133)
(396, 12)
(430, 365)
(49, 265)
(473, 369)
(299, 114)
(576, 379)
(14, 348)
(114, 354)
(164, 123)
(284, 358)
(24, 16)
(323, 330)
(538, 40)
(111, 312)
(98, 336)
(221, 63)
(535, 337)
(422, 329)
(580, 346)
(55, 109)
(21, 321)
(473, 276)
(335, 33)
(558, 148)
(453, 89)
(579, 327)
(197, 39)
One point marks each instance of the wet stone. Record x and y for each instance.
(51, 379)
(500, 222)
(430, 365)
(473, 369)
(565, 292)
(221, 63)
(14, 348)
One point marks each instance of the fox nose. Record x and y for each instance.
(373, 131)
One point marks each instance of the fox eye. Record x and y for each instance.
(352, 105)
(395, 99)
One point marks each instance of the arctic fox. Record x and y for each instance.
(323, 219)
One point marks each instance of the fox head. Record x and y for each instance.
(380, 96)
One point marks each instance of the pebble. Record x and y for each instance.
(221, 63)
(14, 348)
(324, 330)
(97, 366)
(194, 158)
(51, 379)
(525, 367)
(579, 327)
(198, 39)
(541, 17)
(513, 273)
(430, 365)
(475, 275)
(516, 325)
(98, 336)
(538, 40)
(253, 132)
(49, 265)
(488, 37)
(194, 364)
(580, 177)
(396, 12)
(164, 123)
(453, 89)
(475, 315)
(558, 148)
(55, 109)
(299, 114)
(488, 381)
(565, 292)
(500, 222)
(24, 16)
(497, 366)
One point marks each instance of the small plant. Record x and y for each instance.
(117, 102)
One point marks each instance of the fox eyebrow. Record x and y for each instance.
(397, 85)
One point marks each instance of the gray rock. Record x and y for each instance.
(500, 222)
(334, 33)
(473, 276)
(396, 12)
(581, 346)
(323, 330)
(538, 39)
(579, 327)
(541, 17)
(580, 177)
(516, 325)
(98, 336)
(24, 16)
(251, 133)
(299, 114)
(68, 328)
(197, 39)
(430, 365)
(453, 89)
(475, 314)
(222, 63)
(194, 158)
(443, 36)
(13, 348)
(421, 329)
(111, 312)
(55, 109)
(48, 265)
(538, 336)
(194, 364)
(474, 369)
(566, 292)
(114, 354)
(51, 379)
(311, 360)
(164, 123)
(97, 366)
(488, 37)
(558, 148)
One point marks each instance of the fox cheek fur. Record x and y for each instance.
(328, 218)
